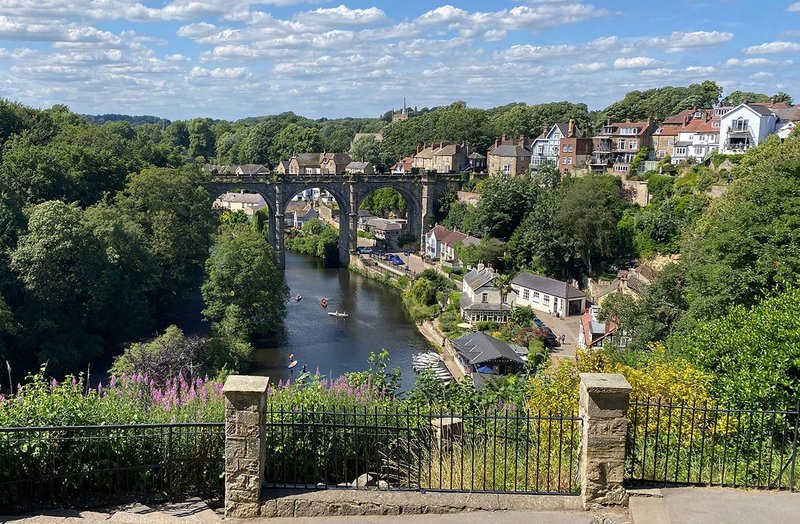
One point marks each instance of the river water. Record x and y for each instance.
(337, 345)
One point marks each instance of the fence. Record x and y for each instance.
(499, 452)
(709, 445)
(87, 465)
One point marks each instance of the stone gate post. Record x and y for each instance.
(245, 444)
(603, 406)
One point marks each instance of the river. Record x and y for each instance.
(337, 345)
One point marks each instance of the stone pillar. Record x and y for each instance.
(245, 444)
(352, 230)
(603, 406)
(280, 224)
(427, 204)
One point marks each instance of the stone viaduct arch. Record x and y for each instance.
(421, 191)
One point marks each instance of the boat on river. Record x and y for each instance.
(339, 314)
(323, 302)
(298, 297)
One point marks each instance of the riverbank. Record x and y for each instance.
(427, 328)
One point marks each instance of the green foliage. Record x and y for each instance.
(662, 102)
(315, 239)
(367, 149)
(244, 290)
(406, 240)
(753, 354)
(739, 97)
(385, 201)
(640, 157)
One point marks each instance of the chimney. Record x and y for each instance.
(481, 267)
(571, 128)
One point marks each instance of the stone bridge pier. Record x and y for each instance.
(420, 191)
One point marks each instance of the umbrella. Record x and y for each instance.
(464, 325)
(485, 369)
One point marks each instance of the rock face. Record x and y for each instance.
(603, 406)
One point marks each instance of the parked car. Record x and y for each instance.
(397, 261)
(364, 250)
(550, 339)
(538, 322)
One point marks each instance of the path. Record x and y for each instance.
(563, 326)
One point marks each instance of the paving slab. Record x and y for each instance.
(701, 505)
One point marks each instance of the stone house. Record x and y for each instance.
(618, 144)
(240, 201)
(575, 150)
(423, 158)
(403, 167)
(282, 168)
(440, 244)
(383, 228)
(481, 300)
(334, 163)
(298, 213)
(592, 333)
(450, 158)
(547, 295)
(361, 168)
(251, 170)
(305, 164)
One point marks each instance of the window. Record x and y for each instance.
(540, 150)
(569, 160)
(621, 143)
(536, 296)
(715, 123)
(485, 298)
(570, 148)
(506, 168)
(526, 294)
(564, 148)
(633, 144)
(712, 139)
(740, 124)
(546, 300)
(564, 160)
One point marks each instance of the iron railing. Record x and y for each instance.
(82, 466)
(502, 451)
(709, 445)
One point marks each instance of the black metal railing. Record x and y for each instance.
(709, 445)
(391, 448)
(81, 466)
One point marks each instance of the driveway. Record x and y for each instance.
(563, 326)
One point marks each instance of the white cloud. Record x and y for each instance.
(637, 62)
(660, 72)
(680, 41)
(219, 72)
(604, 43)
(341, 15)
(535, 53)
(773, 48)
(794, 8)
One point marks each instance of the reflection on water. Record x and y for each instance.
(337, 345)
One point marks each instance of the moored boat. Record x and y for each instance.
(339, 314)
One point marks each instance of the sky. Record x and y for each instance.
(231, 59)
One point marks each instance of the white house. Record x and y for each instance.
(247, 202)
(745, 126)
(697, 139)
(480, 298)
(545, 147)
(546, 294)
(440, 243)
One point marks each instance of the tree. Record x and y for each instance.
(367, 149)
(175, 213)
(57, 262)
(201, 138)
(293, 139)
(752, 353)
(589, 213)
(504, 202)
(244, 291)
(177, 134)
(783, 97)
(489, 251)
(385, 201)
(739, 97)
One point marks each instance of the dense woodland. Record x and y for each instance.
(105, 229)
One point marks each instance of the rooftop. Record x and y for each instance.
(546, 285)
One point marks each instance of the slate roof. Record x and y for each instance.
(448, 150)
(478, 348)
(508, 150)
(761, 110)
(476, 279)
(476, 156)
(384, 224)
(357, 166)
(243, 198)
(308, 159)
(252, 169)
(546, 285)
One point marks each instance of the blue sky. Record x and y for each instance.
(236, 58)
